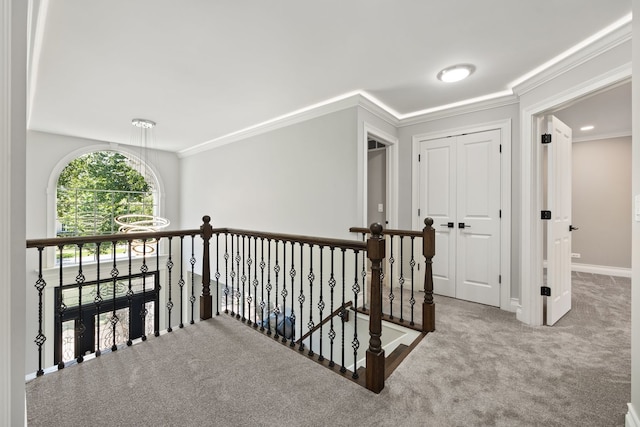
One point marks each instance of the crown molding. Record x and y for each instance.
(593, 50)
(598, 137)
(331, 106)
(461, 109)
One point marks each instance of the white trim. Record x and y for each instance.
(632, 419)
(392, 173)
(531, 189)
(605, 40)
(52, 184)
(333, 105)
(601, 269)
(599, 137)
(505, 194)
(500, 101)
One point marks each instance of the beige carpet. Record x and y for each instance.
(481, 367)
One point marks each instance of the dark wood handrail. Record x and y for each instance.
(388, 231)
(324, 321)
(118, 237)
(317, 241)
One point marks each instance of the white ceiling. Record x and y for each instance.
(203, 69)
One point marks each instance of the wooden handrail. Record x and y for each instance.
(325, 320)
(317, 241)
(61, 241)
(388, 231)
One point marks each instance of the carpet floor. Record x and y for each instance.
(481, 367)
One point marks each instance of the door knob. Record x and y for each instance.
(571, 228)
(463, 225)
(449, 225)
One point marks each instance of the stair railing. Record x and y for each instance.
(394, 307)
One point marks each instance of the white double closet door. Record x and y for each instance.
(460, 190)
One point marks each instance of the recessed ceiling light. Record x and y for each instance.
(585, 128)
(456, 73)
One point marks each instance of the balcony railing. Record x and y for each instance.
(318, 296)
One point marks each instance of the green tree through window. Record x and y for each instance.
(95, 188)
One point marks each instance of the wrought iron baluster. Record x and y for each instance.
(249, 263)
(391, 262)
(156, 292)
(233, 280)
(343, 311)
(114, 317)
(239, 296)
(243, 278)
(181, 282)
(284, 294)
(62, 307)
(321, 304)
(301, 297)
(226, 273)
(355, 344)
(311, 278)
(170, 302)
(268, 288)
(364, 280)
(412, 264)
(217, 276)
(332, 332)
(292, 274)
(40, 338)
(262, 265)
(129, 294)
(401, 279)
(276, 309)
(80, 328)
(255, 283)
(97, 301)
(143, 270)
(192, 261)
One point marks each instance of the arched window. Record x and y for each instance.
(95, 188)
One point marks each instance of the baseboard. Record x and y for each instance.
(632, 419)
(601, 269)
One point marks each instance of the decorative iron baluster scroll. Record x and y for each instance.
(192, 261)
(170, 302)
(97, 301)
(40, 338)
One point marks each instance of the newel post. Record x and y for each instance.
(375, 353)
(429, 251)
(206, 301)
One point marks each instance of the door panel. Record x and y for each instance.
(437, 177)
(558, 232)
(478, 207)
(460, 184)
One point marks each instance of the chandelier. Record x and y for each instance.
(142, 137)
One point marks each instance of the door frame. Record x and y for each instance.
(506, 302)
(530, 310)
(392, 173)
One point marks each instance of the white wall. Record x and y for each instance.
(13, 48)
(601, 202)
(300, 179)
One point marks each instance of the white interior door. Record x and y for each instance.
(460, 190)
(437, 196)
(559, 226)
(478, 217)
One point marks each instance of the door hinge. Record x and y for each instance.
(545, 291)
(545, 215)
(501, 148)
(500, 279)
(546, 138)
(418, 211)
(418, 157)
(500, 213)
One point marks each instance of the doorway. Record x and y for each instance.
(531, 310)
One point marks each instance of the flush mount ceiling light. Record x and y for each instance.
(586, 128)
(456, 73)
